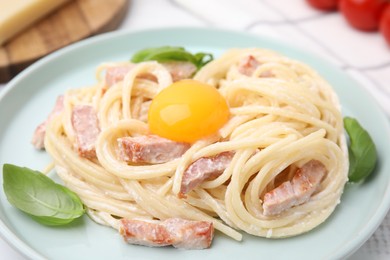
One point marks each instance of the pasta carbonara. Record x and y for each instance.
(276, 168)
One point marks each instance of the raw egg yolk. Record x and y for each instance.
(187, 111)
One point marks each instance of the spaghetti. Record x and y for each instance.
(282, 116)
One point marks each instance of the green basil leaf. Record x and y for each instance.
(169, 53)
(362, 151)
(203, 58)
(39, 196)
(146, 54)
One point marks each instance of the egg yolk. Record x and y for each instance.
(187, 111)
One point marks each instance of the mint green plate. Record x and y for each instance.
(30, 96)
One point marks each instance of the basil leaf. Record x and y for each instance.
(203, 58)
(169, 53)
(146, 54)
(362, 151)
(37, 195)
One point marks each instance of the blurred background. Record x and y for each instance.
(354, 37)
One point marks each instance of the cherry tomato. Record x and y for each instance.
(324, 5)
(385, 24)
(363, 14)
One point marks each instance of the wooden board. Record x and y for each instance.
(72, 22)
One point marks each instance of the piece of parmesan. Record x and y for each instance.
(16, 15)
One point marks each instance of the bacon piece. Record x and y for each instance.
(203, 169)
(86, 127)
(177, 232)
(150, 149)
(248, 65)
(297, 191)
(118, 73)
(39, 134)
(178, 70)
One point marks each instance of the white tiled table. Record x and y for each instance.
(364, 56)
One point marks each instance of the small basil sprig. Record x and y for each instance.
(37, 195)
(169, 53)
(362, 151)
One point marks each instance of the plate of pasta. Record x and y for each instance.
(190, 143)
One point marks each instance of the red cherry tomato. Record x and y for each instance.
(363, 14)
(385, 24)
(324, 5)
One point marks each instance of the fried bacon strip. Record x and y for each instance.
(178, 69)
(204, 168)
(248, 65)
(86, 127)
(177, 232)
(297, 191)
(150, 149)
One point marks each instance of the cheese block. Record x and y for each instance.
(16, 15)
